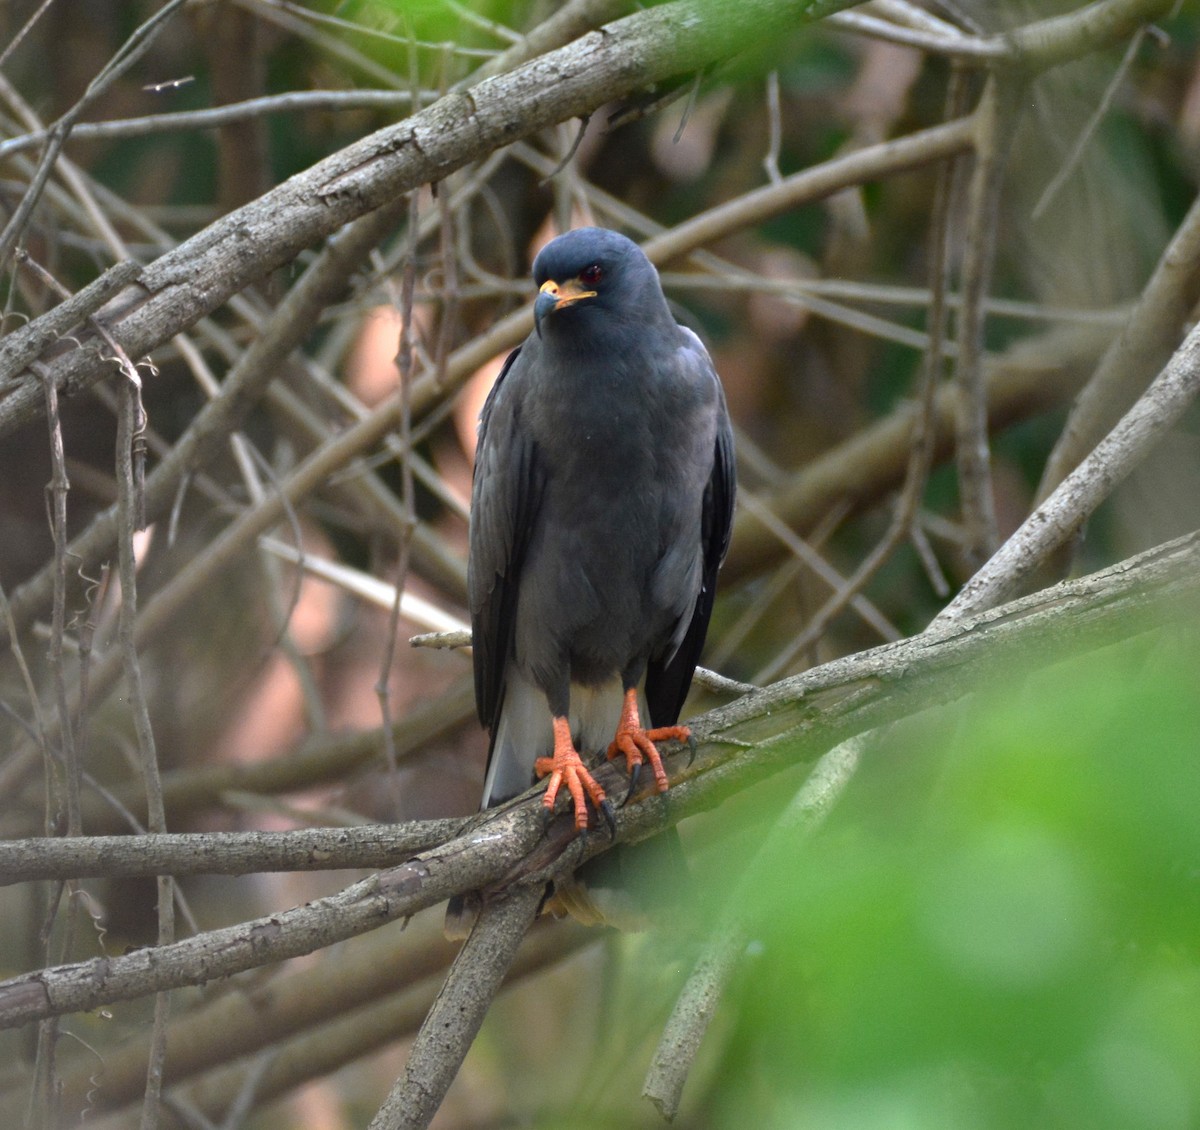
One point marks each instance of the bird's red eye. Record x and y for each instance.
(590, 276)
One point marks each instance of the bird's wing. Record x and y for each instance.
(505, 497)
(669, 677)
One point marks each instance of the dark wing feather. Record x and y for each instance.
(667, 683)
(504, 500)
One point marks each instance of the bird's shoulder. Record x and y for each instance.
(692, 371)
(692, 356)
(501, 392)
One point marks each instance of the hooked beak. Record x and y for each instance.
(552, 296)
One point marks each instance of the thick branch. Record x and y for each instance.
(219, 853)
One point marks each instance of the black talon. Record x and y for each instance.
(634, 775)
(692, 745)
(610, 817)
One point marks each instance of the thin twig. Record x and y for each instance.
(921, 444)
(215, 117)
(35, 702)
(870, 614)
(130, 424)
(24, 31)
(413, 608)
(56, 493)
(58, 794)
(569, 152)
(1093, 123)
(997, 119)
(404, 369)
(448, 318)
(775, 130)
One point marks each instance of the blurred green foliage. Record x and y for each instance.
(998, 927)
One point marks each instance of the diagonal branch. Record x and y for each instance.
(1151, 332)
(1060, 516)
(459, 1011)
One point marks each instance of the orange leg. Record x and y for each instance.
(637, 744)
(567, 766)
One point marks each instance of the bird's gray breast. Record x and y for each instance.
(614, 557)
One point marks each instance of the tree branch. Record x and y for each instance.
(219, 853)
(459, 1010)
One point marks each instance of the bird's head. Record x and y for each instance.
(593, 269)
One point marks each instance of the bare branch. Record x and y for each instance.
(214, 117)
(997, 119)
(220, 853)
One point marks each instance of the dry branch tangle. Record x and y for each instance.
(630, 54)
(787, 724)
(195, 278)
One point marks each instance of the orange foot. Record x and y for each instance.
(567, 766)
(637, 744)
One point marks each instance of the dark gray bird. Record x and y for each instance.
(600, 513)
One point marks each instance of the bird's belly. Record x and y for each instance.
(587, 595)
